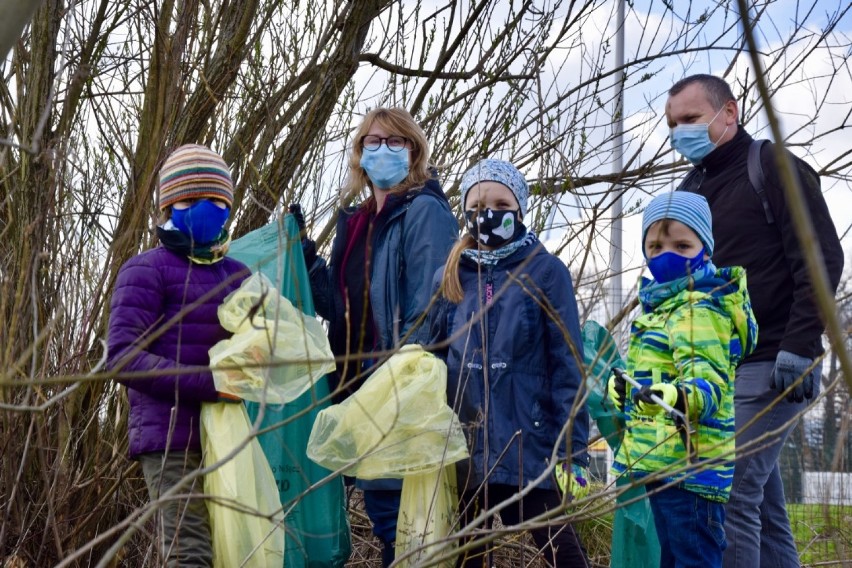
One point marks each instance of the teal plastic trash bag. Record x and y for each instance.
(317, 523)
(634, 538)
(600, 355)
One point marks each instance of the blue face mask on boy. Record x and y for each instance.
(692, 141)
(385, 167)
(202, 221)
(671, 266)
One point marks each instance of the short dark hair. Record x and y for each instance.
(718, 91)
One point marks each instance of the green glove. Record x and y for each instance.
(617, 390)
(573, 480)
(668, 392)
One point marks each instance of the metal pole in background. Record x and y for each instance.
(615, 249)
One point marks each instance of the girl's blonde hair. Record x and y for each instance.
(397, 122)
(450, 284)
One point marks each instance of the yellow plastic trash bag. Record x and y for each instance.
(397, 423)
(274, 346)
(246, 521)
(427, 513)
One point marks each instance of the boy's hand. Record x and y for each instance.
(617, 389)
(669, 393)
(572, 479)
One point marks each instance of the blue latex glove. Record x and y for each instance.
(572, 480)
(788, 371)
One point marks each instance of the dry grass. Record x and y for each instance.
(512, 551)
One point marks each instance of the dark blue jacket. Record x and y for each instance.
(411, 239)
(512, 369)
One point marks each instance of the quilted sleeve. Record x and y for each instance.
(136, 317)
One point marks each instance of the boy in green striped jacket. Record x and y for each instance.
(695, 327)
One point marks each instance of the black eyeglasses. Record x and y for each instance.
(394, 143)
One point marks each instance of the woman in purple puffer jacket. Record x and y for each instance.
(163, 321)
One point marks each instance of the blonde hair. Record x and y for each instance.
(397, 122)
(451, 284)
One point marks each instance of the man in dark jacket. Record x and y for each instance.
(702, 113)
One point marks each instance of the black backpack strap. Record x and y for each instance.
(757, 179)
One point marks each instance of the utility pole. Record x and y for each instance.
(616, 248)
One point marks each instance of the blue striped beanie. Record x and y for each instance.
(195, 172)
(690, 209)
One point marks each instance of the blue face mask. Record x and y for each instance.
(385, 167)
(692, 141)
(202, 221)
(671, 266)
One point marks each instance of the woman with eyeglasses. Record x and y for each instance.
(376, 286)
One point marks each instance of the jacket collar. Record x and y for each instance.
(513, 259)
(395, 202)
(728, 153)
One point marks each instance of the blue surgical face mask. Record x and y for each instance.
(385, 167)
(202, 221)
(671, 266)
(692, 141)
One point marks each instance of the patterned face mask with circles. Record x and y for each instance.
(493, 228)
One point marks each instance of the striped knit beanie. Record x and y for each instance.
(192, 172)
(690, 209)
(501, 172)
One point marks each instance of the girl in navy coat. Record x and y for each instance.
(507, 308)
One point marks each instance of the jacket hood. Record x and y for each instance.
(730, 293)
(432, 188)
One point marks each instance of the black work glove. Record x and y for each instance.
(667, 392)
(617, 390)
(792, 372)
(309, 247)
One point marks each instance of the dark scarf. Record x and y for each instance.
(653, 293)
(178, 242)
(492, 257)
